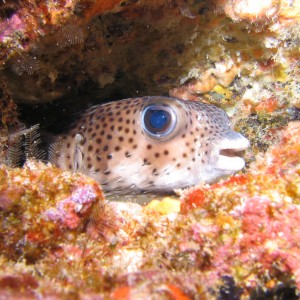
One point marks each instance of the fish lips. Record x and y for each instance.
(231, 151)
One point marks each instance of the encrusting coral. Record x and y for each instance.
(254, 217)
(235, 236)
(235, 239)
(42, 206)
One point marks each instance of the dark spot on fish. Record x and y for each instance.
(120, 119)
(121, 139)
(126, 130)
(117, 148)
(134, 146)
(157, 155)
(120, 128)
(166, 152)
(184, 155)
(105, 148)
(107, 172)
(109, 156)
(112, 127)
(99, 141)
(127, 154)
(90, 148)
(149, 146)
(109, 137)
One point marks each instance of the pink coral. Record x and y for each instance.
(251, 222)
(68, 210)
(8, 27)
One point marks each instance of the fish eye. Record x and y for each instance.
(158, 121)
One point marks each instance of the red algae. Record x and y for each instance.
(258, 241)
(61, 239)
(234, 237)
(40, 206)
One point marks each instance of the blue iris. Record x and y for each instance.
(159, 118)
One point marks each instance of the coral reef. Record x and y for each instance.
(236, 239)
(42, 206)
(253, 234)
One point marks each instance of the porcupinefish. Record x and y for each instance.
(151, 144)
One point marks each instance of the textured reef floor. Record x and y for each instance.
(238, 237)
(60, 238)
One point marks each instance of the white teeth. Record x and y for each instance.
(232, 164)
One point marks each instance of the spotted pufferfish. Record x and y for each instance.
(151, 144)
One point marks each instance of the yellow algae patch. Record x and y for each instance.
(165, 206)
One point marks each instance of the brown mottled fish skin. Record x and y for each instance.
(109, 142)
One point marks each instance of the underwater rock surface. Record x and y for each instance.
(236, 239)
(239, 236)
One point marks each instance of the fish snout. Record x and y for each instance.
(231, 151)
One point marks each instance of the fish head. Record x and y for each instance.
(192, 142)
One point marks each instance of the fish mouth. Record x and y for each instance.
(232, 153)
(231, 159)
